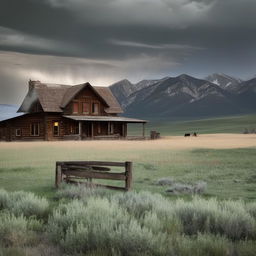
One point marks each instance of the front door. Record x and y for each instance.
(86, 131)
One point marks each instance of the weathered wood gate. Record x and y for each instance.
(77, 171)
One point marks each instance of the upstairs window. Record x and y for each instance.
(56, 128)
(85, 108)
(95, 108)
(75, 108)
(34, 129)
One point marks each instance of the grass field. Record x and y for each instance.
(77, 221)
(233, 124)
(228, 166)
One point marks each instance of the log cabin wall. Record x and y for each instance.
(52, 119)
(20, 128)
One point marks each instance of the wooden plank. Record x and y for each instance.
(128, 174)
(96, 175)
(89, 168)
(99, 163)
(95, 185)
(58, 175)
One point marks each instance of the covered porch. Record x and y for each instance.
(101, 127)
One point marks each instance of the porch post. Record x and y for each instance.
(123, 132)
(92, 130)
(143, 130)
(108, 127)
(80, 130)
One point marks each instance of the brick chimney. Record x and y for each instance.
(32, 84)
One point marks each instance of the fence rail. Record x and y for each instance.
(77, 172)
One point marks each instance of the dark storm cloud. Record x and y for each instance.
(106, 40)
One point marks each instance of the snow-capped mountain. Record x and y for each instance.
(224, 81)
(187, 96)
(124, 89)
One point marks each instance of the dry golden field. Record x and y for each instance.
(211, 141)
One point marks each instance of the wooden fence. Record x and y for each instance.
(79, 171)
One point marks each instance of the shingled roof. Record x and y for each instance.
(54, 97)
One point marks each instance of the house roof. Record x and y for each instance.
(54, 97)
(106, 118)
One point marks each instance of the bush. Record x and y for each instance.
(164, 181)
(251, 209)
(101, 224)
(16, 231)
(138, 204)
(80, 192)
(23, 203)
(203, 245)
(198, 188)
(210, 216)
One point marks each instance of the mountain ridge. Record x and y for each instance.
(185, 95)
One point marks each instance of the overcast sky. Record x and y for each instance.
(103, 41)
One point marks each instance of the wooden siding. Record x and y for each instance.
(24, 124)
(87, 95)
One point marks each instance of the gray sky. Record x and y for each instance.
(103, 41)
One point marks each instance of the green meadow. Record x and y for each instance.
(230, 124)
(229, 173)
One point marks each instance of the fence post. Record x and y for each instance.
(128, 174)
(58, 175)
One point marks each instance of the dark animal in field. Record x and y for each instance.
(186, 134)
(195, 134)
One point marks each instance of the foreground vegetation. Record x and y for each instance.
(232, 124)
(82, 221)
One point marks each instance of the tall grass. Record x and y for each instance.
(23, 203)
(132, 223)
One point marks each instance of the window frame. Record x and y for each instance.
(33, 129)
(93, 108)
(73, 108)
(53, 128)
(88, 108)
(16, 132)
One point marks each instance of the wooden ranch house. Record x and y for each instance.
(59, 112)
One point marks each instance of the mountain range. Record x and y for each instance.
(185, 96)
(181, 97)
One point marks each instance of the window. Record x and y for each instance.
(75, 108)
(56, 129)
(34, 129)
(18, 132)
(95, 108)
(85, 108)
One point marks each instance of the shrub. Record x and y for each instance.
(80, 192)
(251, 208)
(203, 245)
(23, 203)
(210, 216)
(198, 188)
(101, 224)
(138, 204)
(164, 181)
(15, 231)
